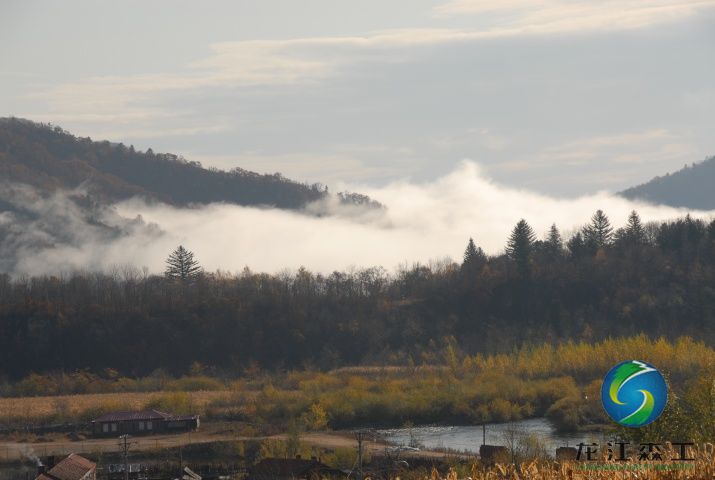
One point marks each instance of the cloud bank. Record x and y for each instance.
(307, 60)
(422, 222)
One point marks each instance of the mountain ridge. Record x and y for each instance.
(689, 187)
(50, 158)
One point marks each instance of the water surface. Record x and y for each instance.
(468, 438)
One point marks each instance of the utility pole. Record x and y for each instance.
(181, 462)
(359, 435)
(125, 447)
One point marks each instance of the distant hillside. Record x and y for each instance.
(49, 158)
(692, 187)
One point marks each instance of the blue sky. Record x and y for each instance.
(559, 97)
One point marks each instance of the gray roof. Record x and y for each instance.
(141, 415)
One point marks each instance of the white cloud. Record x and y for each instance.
(269, 95)
(271, 63)
(563, 16)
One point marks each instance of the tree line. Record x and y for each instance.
(601, 282)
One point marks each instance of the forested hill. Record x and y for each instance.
(690, 187)
(656, 279)
(50, 158)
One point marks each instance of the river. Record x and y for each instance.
(468, 438)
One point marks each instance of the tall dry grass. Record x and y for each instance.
(703, 467)
(75, 408)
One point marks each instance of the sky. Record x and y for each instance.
(556, 97)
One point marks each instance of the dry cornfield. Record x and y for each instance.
(702, 468)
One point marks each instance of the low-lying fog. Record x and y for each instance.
(421, 222)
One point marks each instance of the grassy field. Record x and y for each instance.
(561, 382)
(73, 408)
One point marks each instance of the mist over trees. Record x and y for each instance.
(656, 279)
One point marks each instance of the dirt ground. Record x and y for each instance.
(11, 450)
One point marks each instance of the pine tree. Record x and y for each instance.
(473, 254)
(554, 242)
(576, 245)
(181, 265)
(474, 257)
(470, 253)
(521, 244)
(600, 232)
(635, 233)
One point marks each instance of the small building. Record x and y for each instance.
(74, 467)
(143, 422)
(292, 469)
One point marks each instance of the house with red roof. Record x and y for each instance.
(74, 467)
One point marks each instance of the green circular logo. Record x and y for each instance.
(634, 393)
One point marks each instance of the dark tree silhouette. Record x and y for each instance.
(576, 245)
(599, 232)
(554, 243)
(472, 253)
(474, 258)
(521, 244)
(634, 233)
(181, 265)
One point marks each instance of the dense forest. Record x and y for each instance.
(656, 279)
(49, 159)
(690, 187)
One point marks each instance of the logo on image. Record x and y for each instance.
(634, 393)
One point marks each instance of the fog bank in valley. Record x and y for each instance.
(421, 222)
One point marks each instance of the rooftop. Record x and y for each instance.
(140, 416)
(74, 467)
